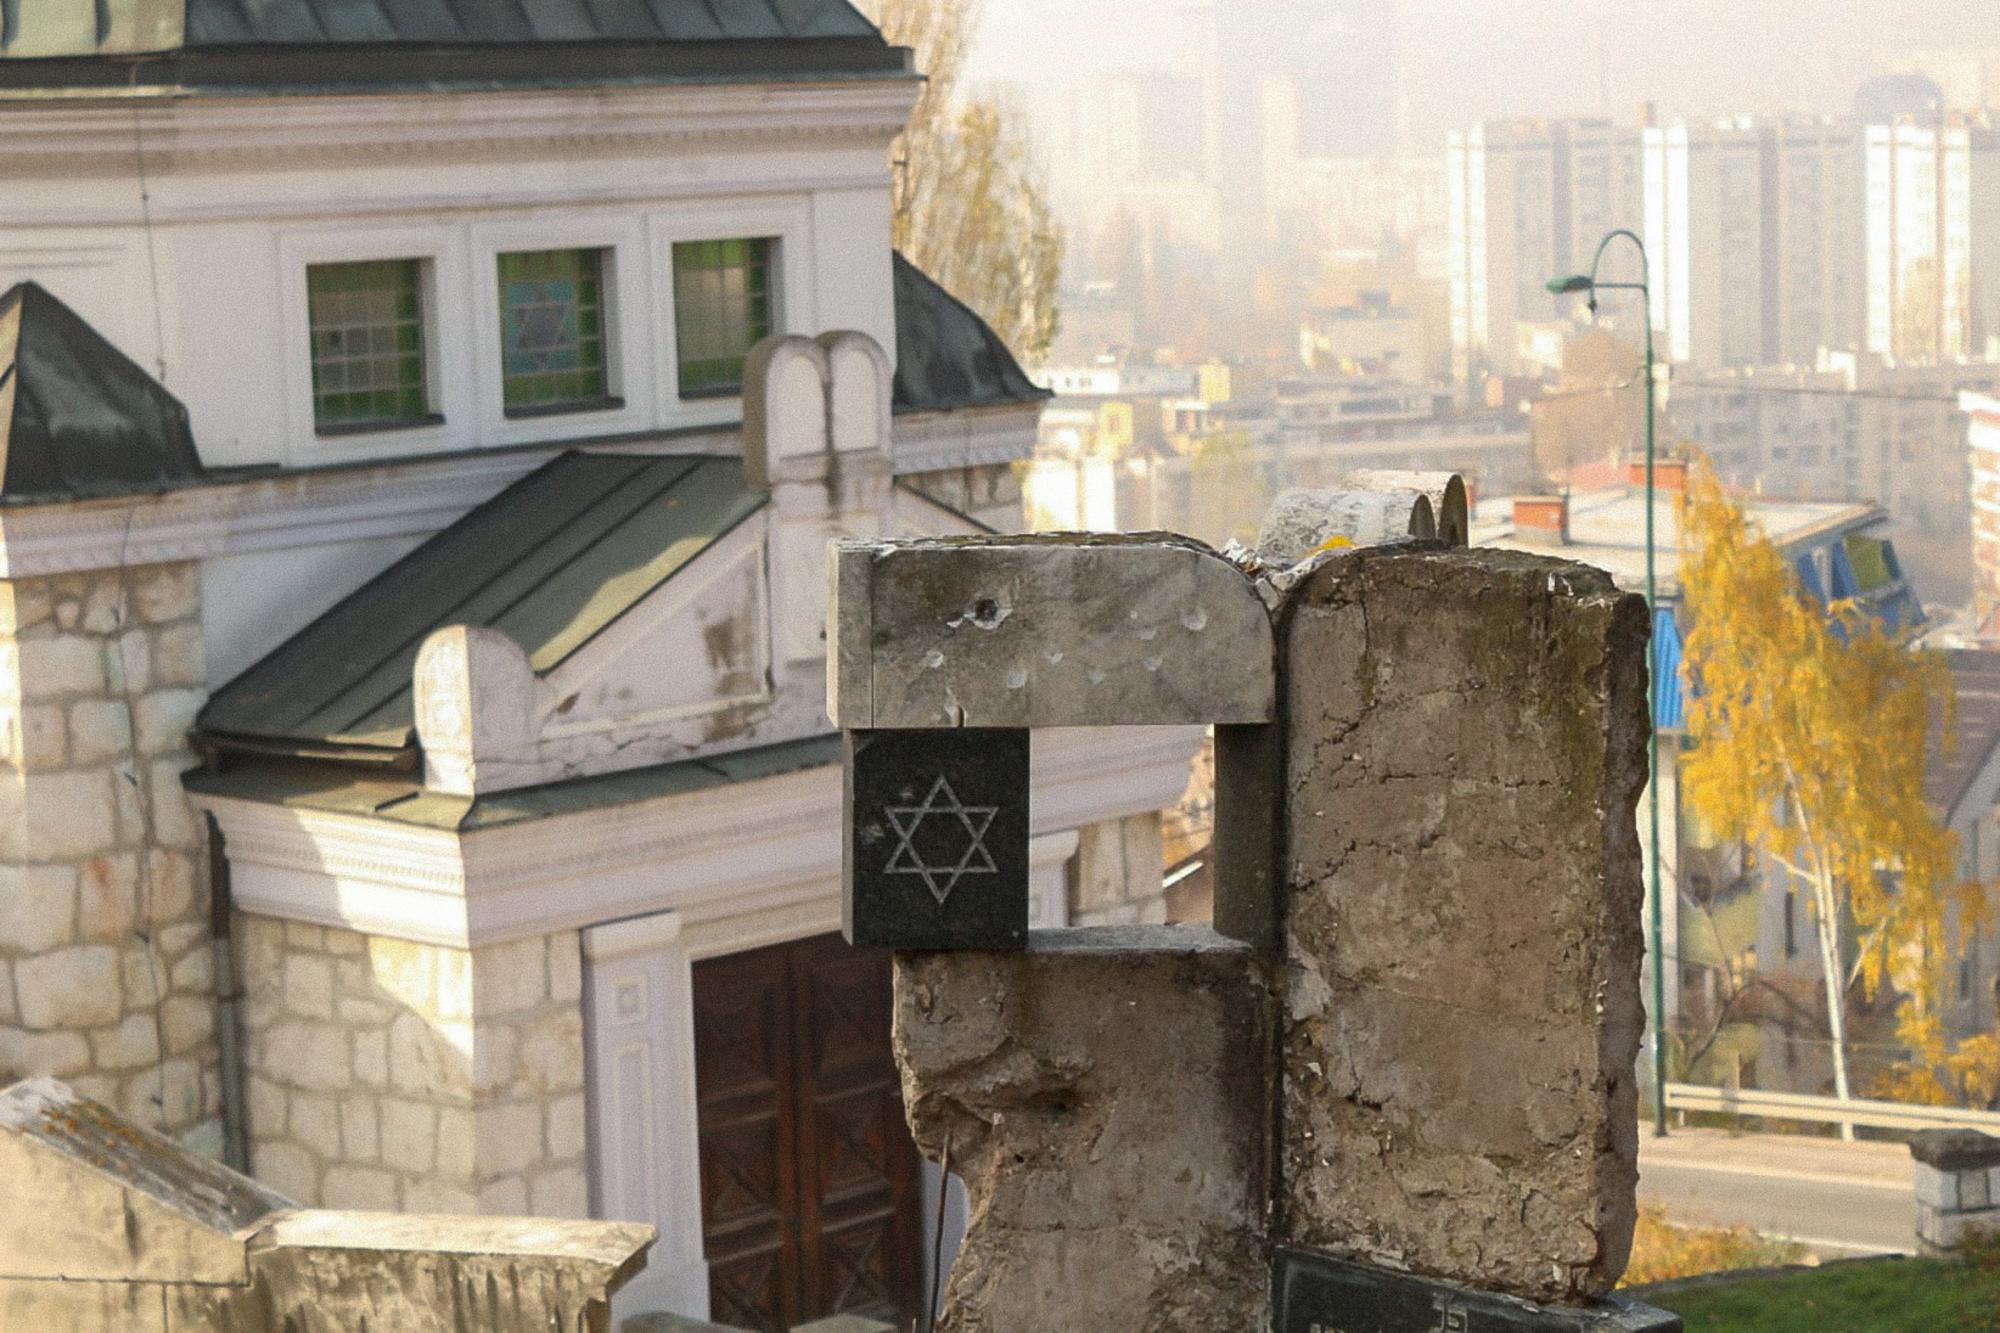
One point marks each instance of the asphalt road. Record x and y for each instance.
(1840, 1199)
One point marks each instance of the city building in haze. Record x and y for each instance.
(1933, 237)
(1755, 232)
(1531, 199)
(1370, 336)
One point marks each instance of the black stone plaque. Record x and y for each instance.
(1316, 1294)
(937, 839)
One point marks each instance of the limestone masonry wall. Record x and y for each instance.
(387, 1074)
(105, 968)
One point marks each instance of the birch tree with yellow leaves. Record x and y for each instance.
(968, 209)
(1809, 728)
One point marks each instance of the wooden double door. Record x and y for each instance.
(809, 1178)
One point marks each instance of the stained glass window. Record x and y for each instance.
(723, 305)
(367, 327)
(552, 330)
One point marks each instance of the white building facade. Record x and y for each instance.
(1755, 231)
(1933, 258)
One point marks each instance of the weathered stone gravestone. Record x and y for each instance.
(1392, 1089)
(111, 1227)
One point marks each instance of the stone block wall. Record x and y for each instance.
(1119, 866)
(105, 967)
(387, 1074)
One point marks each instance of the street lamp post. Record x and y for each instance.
(1582, 283)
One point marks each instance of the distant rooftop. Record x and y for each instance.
(1608, 529)
(305, 46)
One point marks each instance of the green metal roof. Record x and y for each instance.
(78, 418)
(303, 46)
(947, 357)
(400, 799)
(550, 561)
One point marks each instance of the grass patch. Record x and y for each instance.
(1662, 1250)
(1920, 1295)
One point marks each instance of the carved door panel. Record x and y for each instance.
(747, 1119)
(858, 1202)
(809, 1177)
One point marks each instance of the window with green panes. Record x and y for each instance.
(367, 327)
(552, 336)
(723, 305)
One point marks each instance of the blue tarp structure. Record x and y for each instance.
(1808, 573)
(1669, 708)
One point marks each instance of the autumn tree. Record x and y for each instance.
(968, 209)
(1809, 729)
(1938, 1072)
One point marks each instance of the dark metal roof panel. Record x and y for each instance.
(947, 357)
(550, 561)
(78, 418)
(236, 22)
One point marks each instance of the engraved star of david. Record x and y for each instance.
(941, 880)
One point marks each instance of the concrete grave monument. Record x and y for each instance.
(1392, 1088)
(112, 1228)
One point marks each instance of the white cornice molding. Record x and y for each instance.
(714, 854)
(407, 497)
(456, 123)
(966, 437)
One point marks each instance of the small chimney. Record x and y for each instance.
(1670, 475)
(1542, 520)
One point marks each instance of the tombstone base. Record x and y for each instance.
(1316, 1294)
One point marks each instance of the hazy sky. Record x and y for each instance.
(1467, 58)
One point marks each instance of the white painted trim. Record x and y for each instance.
(786, 220)
(727, 852)
(1048, 882)
(645, 1151)
(815, 914)
(628, 318)
(638, 934)
(400, 497)
(448, 365)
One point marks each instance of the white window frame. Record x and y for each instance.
(440, 252)
(631, 324)
(788, 222)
